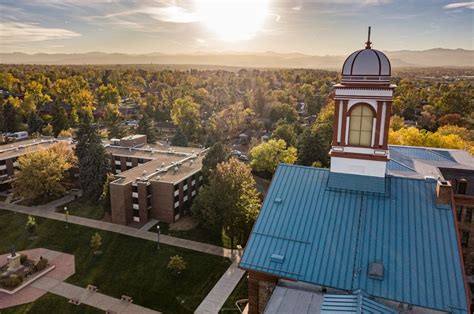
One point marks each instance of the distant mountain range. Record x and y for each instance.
(437, 57)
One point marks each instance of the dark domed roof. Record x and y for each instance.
(366, 65)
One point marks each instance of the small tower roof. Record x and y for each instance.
(366, 65)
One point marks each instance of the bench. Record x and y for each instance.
(92, 288)
(126, 298)
(74, 301)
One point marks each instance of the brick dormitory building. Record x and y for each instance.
(152, 181)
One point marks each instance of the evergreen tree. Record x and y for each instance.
(35, 123)
(10, 118)
(92, 159)
(179, 139)
(59, 121)
(216, 154)
(145, 126)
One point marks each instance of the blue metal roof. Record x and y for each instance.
(353, 303)
(329, 237)
(355, 182)
(422, 153)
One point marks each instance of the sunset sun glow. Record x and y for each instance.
(233, 20)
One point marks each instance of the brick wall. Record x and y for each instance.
(260, 289)
(162, 201)
(121, 203)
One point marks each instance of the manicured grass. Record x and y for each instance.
(80, 208)
(198, 234)
(128, 265)
(51, 303)
(240, 292)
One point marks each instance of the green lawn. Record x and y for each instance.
(240, 292)
(197, 234)
(80, 208)
(128, 265)
(50, 302)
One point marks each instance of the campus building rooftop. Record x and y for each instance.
(418, 162)
(19, 148)
(397, 243)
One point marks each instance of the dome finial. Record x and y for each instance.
(368, 42)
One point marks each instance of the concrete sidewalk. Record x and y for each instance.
(89, 297)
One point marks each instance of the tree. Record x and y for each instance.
(397, 122)
(35, 123)
(176, 264)
(11, 121)
(217, 153)
(33, 97)
(92, 159)
(230, 201)
(107, 94)
(414, 137)
(185, 114)
(114, 122)
(283, 112)
(179, 139)
(30, 179)
(266, 156)
(31, 225)
(315, 142)
(286, 132)
(59, 122)
(96, 243)
(145, 126)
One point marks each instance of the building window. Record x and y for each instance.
(462, 186)
(134, 188)
(464, 238)
(128, 159)
(135, 200)
(360, 126)
(459, 213)
(468, 216)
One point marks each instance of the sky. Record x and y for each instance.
(316, 27)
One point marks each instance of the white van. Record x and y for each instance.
(19, 135)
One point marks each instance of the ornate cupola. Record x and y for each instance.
(362, 114)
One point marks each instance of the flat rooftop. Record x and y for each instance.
(19, 148)
(162, 165)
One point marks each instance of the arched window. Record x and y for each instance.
(361, 123)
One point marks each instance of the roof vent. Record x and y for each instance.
(376, 270)
(277, 258)
(278, 200)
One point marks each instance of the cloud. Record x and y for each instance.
(172, 14)
(12, 32)
(460, 5)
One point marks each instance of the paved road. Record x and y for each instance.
(216, 297)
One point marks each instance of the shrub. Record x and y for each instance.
(12, 281)
(96, 242)
(41, 264)
(176, 264)
(23, 258)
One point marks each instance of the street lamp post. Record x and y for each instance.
(158, 236)
(67, 216)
